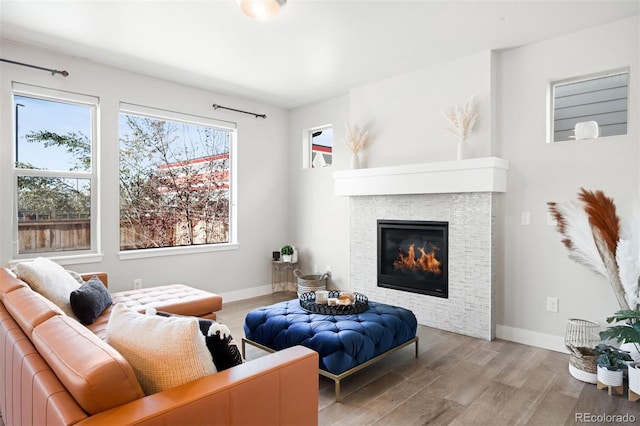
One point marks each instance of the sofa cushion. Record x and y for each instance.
(49, 279)
(175, 298)
(90, 300)
(94, 373)
(164, 351)
(29, 309)
(9, 282)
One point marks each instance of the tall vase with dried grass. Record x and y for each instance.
(355, 139)
(463, 119)
(592, 233)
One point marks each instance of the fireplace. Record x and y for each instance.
(412, 256)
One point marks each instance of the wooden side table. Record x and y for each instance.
(282, 278)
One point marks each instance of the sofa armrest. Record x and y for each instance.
(102, 275)
(279, 388)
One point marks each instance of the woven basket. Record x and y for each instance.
(581, 333)
(583, 359)
(307, 283)
(580, 338)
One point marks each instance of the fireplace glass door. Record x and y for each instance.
(412, 256)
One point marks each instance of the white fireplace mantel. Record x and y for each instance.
(487, 174)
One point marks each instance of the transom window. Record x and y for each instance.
(587, 108)
(175, 179)
(321, 141)
(54, 176)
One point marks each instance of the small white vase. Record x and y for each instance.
(610, 378)
(462, 149)
(286, 258)
(355, 161)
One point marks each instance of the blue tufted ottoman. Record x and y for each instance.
(345, 343)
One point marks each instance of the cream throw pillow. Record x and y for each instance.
(164, 352)
(50, 280)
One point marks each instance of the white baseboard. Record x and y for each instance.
(531, 338)
(246, 293)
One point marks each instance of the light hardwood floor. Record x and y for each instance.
(456, 380)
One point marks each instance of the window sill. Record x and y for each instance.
(175, 251)
(74, 259)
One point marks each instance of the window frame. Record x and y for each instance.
(307, 149)
(93, 254)
(552, 98)
(164, 114)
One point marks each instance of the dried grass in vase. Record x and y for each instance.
(355, 138)
(463, 119)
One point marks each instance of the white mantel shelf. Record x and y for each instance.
(487, 174)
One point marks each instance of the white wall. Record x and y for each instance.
(536, 263)
(404, 117)
(319, 221)
(404, 113)
(262, 169)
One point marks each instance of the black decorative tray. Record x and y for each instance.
(308, 303)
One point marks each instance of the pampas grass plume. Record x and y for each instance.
(463, 119)
(355, 138)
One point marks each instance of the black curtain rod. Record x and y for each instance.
(52, 71)
(216, 106)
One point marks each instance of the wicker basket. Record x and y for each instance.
(582, 333)
(583, 359)
(580, 338)
(307, 283)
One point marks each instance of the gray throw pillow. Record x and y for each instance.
(90, 300)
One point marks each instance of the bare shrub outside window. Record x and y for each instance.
(174, 183)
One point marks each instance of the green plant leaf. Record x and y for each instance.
(612, 358)
(632, 315)
(622, 333)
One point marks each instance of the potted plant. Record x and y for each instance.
(287, 252)
(611, 365)
(627, 333)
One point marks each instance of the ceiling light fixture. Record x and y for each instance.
(261, 10)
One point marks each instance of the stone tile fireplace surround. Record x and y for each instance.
(465, 194)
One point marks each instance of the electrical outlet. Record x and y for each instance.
(552, 304)
(525, 218)
(137, 284)
(328, 268)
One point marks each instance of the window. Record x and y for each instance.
(175, 179)
(591, 107)
(321, 140)
(54, 177)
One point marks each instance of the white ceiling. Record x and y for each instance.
(314, 50)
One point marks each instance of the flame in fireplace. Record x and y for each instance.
(427, 262)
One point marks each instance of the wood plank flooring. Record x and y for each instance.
(457, 380)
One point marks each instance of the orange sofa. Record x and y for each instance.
(55, 371)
